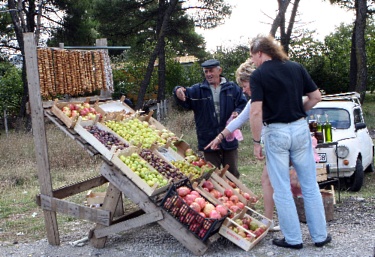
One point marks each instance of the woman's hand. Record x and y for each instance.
(214, 145)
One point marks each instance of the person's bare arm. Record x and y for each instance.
(312, 99)
(256, 124)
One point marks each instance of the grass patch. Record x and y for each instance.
(22, 220)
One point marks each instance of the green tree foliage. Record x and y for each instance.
(328, 62)
(10, 89)
(78, 27)
(161, 22)
(230, 59)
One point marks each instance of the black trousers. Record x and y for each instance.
(221, 158)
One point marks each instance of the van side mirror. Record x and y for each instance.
(360, 125)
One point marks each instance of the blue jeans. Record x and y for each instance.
(286, 142)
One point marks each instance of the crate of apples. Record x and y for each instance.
(245, 229)
(68, 112)
(200, 216)
(224, 180)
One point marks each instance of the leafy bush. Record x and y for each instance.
(11, 89)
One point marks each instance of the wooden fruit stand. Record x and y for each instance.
(158, 200)
(110, 218)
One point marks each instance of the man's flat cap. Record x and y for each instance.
(210, 63)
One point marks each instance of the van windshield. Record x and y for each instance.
(339, 118)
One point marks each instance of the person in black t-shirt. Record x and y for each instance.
(277, 87)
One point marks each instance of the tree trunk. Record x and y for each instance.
(161, 55)
(280, 22)
(150, 67)
(361, 48)
(283, 6)
(23, 21)
(353, 63)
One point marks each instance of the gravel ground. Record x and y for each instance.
(352, 230)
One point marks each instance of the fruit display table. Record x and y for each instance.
(110, 218)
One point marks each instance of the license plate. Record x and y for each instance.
(322, 157)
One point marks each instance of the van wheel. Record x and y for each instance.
(370, 168)
(355, 181)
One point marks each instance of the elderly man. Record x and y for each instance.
(213, 102)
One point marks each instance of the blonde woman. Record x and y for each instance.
(243, 80)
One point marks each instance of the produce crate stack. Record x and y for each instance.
(199, 196)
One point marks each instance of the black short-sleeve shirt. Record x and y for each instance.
(280, 85)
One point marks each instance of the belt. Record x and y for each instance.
(268, 123)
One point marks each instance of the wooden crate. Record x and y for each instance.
(245, 244)
(328, 197)
(86, 135)
(57, 107)
(221, 179)
(150, 191)
(181, 146)
(321, 172)
(152, 121)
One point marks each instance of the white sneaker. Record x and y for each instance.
(274, 229)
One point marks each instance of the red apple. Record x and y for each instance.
(228, 192)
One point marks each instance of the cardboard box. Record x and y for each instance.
(95, 199)
(181, 146)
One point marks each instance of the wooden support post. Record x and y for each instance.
(111, 201)
(39, 132)
(129, 224)
(103, 93)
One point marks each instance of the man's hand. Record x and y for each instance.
(234, 115)
(258, 152)
(180, 93)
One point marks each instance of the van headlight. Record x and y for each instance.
(342, 151)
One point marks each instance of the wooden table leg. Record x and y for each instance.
(111, 203)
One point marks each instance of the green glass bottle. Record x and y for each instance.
(319, 130)
(327, 130)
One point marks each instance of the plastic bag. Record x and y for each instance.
(237, 134)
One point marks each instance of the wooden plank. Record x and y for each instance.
(39, 133)
(111, 202)
(169, 223)
(79, 187)
(129, 224)
(78, 211)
